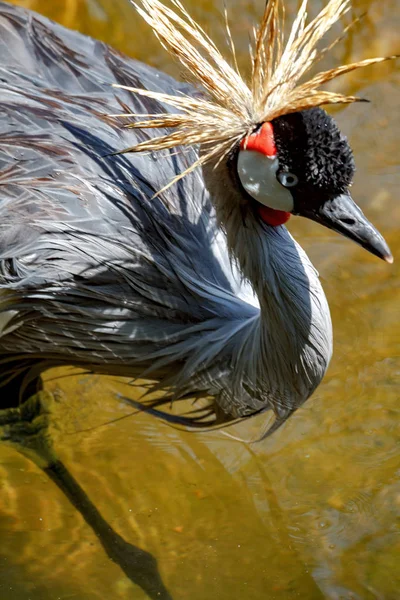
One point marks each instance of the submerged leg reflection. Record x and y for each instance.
(26, 429)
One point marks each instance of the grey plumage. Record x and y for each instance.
(97, 273)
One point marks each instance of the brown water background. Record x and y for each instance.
(314, 511)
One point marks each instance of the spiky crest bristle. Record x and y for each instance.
(231, 109)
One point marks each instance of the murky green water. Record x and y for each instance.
(314, 511)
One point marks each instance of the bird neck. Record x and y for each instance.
(291, 342)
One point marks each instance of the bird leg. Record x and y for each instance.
(21, 386)
(26, 428)
(8, 416)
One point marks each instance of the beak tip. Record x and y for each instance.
(389, 259)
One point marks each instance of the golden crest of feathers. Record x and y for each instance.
(232, 108)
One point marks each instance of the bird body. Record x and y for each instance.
(106, 266)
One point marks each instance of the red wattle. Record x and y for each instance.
(261, 141)
(273, 217)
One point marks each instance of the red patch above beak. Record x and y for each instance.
(261, 141)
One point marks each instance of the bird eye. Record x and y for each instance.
(287, 179)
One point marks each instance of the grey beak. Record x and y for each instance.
(344, 216)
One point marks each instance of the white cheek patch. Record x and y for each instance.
(257, 174)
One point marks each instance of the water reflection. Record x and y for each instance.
(138, 565)
(28, 431)
(310, 513)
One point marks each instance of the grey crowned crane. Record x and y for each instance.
(165, 255)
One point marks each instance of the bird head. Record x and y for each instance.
(301, 164)
(290, 155)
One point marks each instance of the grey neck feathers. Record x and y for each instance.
(289, 347)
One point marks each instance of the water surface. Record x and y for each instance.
(314, 511)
